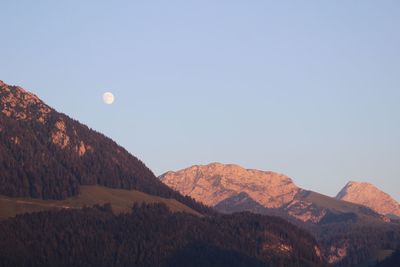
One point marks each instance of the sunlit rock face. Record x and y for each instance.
(368, 195)
(22, 105)
(213, 183)
(46, 154)
(337, 253)
(230, 188)
(305, 211)
(59, 135)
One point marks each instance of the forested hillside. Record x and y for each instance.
(153, 236)
(45, 154)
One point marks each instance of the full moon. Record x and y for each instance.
(108, 98)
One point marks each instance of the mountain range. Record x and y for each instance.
(230, 188)
(70, 196)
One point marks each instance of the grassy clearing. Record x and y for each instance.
(121, 201)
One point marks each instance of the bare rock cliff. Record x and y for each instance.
(368, 195)
(216, 182)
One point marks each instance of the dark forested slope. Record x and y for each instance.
(45, 154)
(391, 261)
(153, 236)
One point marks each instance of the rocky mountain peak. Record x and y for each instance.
(19, 104)
(48, 155)
(369, 195)
(216, 182)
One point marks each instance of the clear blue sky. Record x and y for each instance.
(307, 88)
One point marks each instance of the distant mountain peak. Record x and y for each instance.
(230, 188)
(216, 182)
(356, 183)
(369, 195)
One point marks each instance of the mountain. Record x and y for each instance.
(369, 195)
(216, 182)
(229, 187)
(47, 155)
(313, 207)
(69, 196)
(349, 233)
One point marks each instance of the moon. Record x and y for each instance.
(108, 98)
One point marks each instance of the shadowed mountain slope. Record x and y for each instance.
(45, 154)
